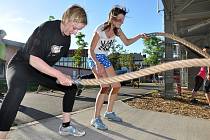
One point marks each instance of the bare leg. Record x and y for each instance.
(208, 97)
(3, 134)
(66, 117)
(99, 103)
(101, 94)
(112, 98)
(110, 114)
(114, 91)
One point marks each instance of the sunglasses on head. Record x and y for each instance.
(119, 7)
(116, 11)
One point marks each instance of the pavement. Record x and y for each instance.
(49, 104)
(137, 125)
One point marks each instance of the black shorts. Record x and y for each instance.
(207, 86)
(198, 82)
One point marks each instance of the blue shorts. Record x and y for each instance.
(102, 58)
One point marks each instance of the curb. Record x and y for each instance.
(140, 95)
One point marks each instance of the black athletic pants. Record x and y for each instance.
(18, 76)
(198, 82)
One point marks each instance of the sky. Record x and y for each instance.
(19, 18)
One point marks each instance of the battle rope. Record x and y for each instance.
(155, 69)
(183, 41)
(148, 71)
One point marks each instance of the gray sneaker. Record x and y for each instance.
(97, 123)
(111, 116)
(71, 130)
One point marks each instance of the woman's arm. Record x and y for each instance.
(43, 67)
(93, 46)
(93, 55)
(129, 41)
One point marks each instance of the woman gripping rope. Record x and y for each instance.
(101, 66)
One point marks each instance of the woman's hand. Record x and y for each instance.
(99, 68)
(64, 80)
(144, 36)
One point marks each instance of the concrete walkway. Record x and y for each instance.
(138, 125)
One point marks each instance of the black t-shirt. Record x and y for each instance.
(47, 42)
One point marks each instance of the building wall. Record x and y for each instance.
(10, 51)
(2, 69)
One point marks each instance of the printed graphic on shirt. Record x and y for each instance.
(55, 50)
(105, 45)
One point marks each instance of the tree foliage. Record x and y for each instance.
(119, 56)
(2, 51)
(126, 59)
(51, 18)
(81, 46)
(154, 49)
(2, 45)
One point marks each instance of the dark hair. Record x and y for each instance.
(115, 11)
(206, 47)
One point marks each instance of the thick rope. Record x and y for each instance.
(158, 68)
(147, 71)
(183, 41)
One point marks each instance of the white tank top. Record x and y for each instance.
(104, 42)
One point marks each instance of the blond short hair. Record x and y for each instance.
(75, 13)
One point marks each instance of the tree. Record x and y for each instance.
(119, 56)
(154, 49)
(78, 52)
(2, 45)
(51, 18)
(126, 59)
(115, 55)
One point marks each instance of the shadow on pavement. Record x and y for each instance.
(126, 124)
(33, 113)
